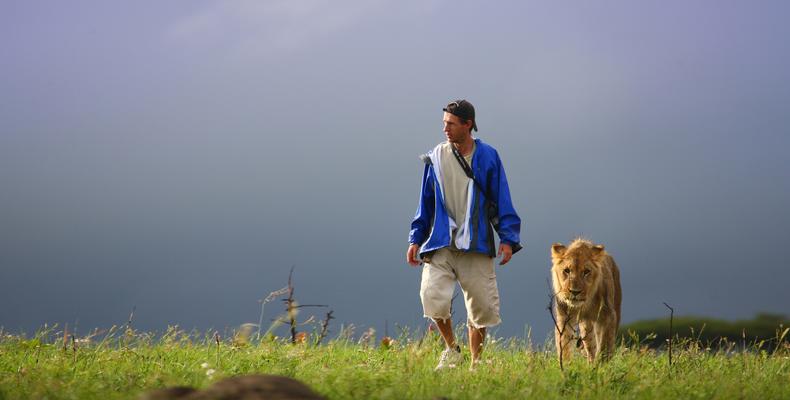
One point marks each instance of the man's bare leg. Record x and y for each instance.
(476, 337)
(446, 329)
(451, 356)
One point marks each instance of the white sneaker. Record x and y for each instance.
(451, 357)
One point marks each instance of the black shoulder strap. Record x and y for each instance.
(468, 170)
(462, 161)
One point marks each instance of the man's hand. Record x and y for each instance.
(506, 252)
(411, 255)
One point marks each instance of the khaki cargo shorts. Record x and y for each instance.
(474, 272)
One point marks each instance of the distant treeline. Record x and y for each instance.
(763, 327)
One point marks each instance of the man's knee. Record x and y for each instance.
(431, 295)
(435, 304)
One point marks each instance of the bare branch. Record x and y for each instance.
(291, 306)
(552, 309)
(216, 339)
(671, 316)
(325, 326)
(292, 309)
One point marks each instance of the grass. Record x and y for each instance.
(122, 365)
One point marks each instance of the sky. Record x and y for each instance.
(179, 158)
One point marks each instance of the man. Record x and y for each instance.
(452, 231)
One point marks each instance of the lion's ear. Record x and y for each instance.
(557, 250)
(597, 251)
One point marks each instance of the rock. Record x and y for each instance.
(246, 387)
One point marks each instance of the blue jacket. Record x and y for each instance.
(432, 226)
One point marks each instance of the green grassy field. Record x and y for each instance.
(121, 366)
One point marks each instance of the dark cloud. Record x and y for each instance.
(182, 159)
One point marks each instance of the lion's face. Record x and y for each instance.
(576, 275)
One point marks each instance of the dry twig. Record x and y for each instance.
(325, 326)
(561, 332)
(291, 306)
(671, 316)
(216, 339)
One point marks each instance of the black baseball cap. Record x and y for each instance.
(462, 109)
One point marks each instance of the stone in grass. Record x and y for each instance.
(246, 387)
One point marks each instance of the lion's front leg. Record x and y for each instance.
(587, 333)
(563, 335)
(605, 335)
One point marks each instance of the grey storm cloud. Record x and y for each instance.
(181, 157)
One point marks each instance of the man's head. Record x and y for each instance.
(459, 120)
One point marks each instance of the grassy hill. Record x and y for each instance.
(124, 364)
(763, 328)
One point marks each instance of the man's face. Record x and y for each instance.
(455, 130)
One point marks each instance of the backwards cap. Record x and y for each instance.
(462, 109)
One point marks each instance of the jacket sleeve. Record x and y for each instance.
(423, 219)
(509, 221)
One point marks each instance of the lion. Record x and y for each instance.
(246, 387)
(587, 290)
